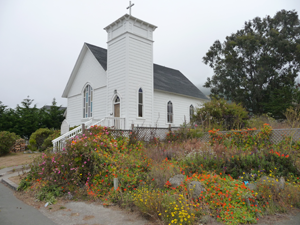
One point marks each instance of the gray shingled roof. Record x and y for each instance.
(165, 79)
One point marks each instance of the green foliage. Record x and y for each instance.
(248, 72)
(37, 139)
(7, 140)
(292, 115)
(49, 193)
(25, 183)
(27, 118)
(184, 133)
(243, 139)
(48, 141)
(220, 113)
(91, 161)
(53, 117)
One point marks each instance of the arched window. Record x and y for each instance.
(88, 102)
(191, 112)
(117, 106)
(117, 99)
(170, 112)
(140, 103)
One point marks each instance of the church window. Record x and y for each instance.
(191, 112)
(170, 112)
(88, 102)
(140, 104)
(117, 99)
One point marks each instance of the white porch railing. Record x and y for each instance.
(59, 142)
(112, 122)
(117, 123)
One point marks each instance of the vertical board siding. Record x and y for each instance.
(89, 71)
(181, 106)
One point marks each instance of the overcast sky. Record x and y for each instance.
(40, 40)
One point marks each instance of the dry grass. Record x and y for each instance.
(16, 159)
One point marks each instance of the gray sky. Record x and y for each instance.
(40, 40)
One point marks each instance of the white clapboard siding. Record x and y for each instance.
(99, 103)
(116, 74)
(75, 110)
(89, 72)
(181, 107)
(140, 75)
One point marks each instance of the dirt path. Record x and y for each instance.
(66, 212)
(16, 159)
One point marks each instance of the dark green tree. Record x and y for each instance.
(8, 118)
(52, 117)
(28, 118)
(257, 65)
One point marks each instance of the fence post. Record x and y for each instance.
(132, 126)
(83, 128)
(170, 127)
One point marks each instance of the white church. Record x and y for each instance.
(121, 85)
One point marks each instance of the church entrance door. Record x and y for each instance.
(117, 113)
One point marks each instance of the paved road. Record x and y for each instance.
(15, 212)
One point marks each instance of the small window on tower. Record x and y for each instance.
(140, 103)
(170, 112)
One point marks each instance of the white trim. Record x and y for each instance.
(100, 87)
(91, 101)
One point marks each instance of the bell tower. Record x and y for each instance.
(130, 68)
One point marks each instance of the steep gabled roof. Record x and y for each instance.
(171, 80)
(100, 54)
(165, 79)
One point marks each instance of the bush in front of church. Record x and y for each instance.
(220, 114)
(37, 139)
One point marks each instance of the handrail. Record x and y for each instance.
(116, 122)
(59, 142)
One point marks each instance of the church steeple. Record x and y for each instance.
(130, 24)
(130, 66)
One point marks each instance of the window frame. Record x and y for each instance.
(170, 115)
(192, 113)
(140, 91)
(88, 97)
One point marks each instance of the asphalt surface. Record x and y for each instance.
(15, 212)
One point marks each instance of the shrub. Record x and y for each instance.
(243, 139)
(172, 209)
(48, 141)
(37, 139)
(221, 113)
(7, 140)
(184, 133)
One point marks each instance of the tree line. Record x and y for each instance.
(26, 118)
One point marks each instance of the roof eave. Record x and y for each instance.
(188, 96)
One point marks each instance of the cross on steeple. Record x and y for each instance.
(129, 7)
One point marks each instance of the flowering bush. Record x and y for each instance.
(91, 161)
(242, 139)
